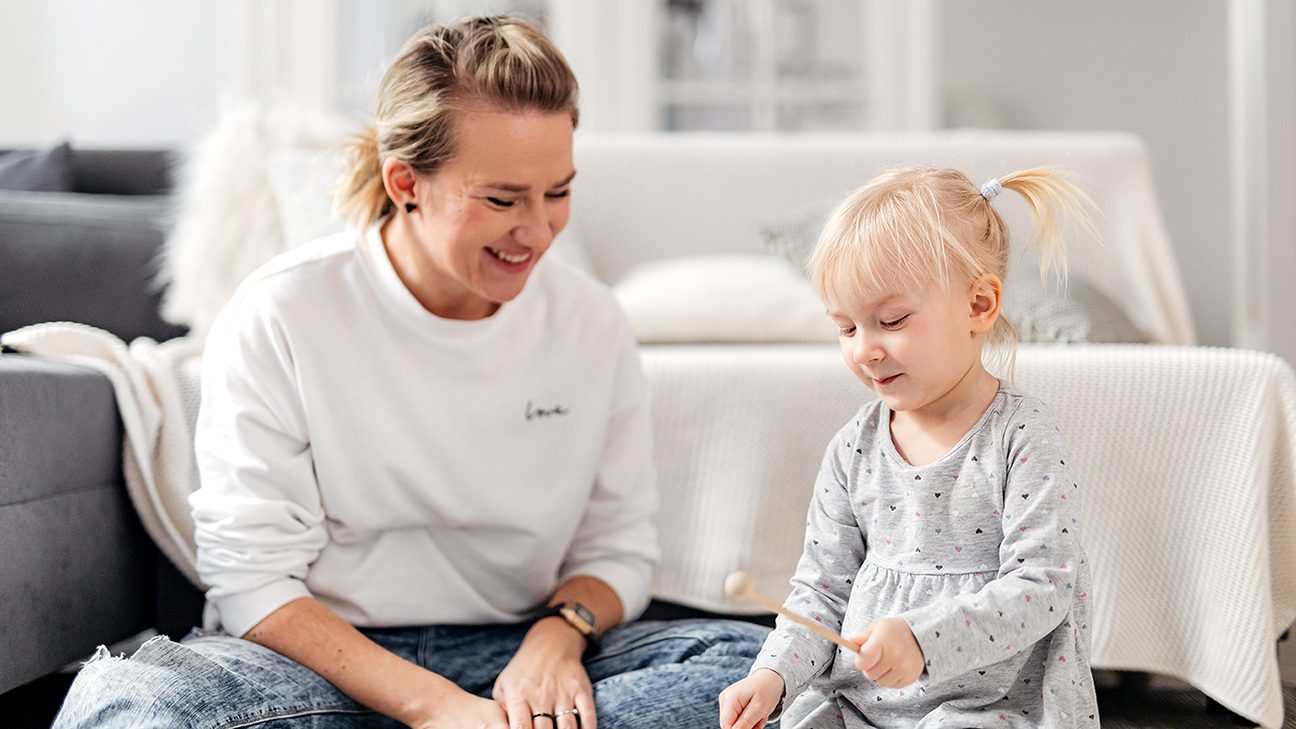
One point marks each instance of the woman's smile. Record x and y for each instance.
(514, 258)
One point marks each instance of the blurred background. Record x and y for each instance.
(1210, 85)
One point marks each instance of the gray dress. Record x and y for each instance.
(979, 552)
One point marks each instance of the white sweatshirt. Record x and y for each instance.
(406, 469)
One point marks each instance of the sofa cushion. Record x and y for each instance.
(722, 298)
(83, 258)
(1079, 313)
(38, 170)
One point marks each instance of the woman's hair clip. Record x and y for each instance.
(991, 189)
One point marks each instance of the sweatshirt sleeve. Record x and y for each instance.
(1039, 558)
(616, 540)
(821, 587)
(258, 520)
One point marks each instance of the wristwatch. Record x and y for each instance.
(577, 615)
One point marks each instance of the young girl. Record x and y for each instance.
(943, 535)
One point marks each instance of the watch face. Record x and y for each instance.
(584, 612)
(578, 613)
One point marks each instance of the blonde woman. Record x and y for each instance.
(425, 450)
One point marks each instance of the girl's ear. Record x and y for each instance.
(400, 180)
(985, 296)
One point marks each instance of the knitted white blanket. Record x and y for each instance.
(1185, 454)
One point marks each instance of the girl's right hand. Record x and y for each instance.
(462, 710)
(749, 703)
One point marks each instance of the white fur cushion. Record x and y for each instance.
(228, 217)
(723, 298)
(300, 182)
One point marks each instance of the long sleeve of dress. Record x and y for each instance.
(821, 587)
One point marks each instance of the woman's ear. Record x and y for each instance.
(400, 181)
(985, 296)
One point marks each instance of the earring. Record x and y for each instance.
(409, 207)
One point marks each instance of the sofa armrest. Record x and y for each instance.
(76, 568)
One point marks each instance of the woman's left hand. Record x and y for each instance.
(546, 676)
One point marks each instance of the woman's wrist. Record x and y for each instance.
(429, 698)
(555, 633)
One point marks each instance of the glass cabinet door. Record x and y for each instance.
(762, 65)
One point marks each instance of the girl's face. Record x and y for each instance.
(914, 348)
(488, 215)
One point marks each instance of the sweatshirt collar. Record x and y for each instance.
(400, 301)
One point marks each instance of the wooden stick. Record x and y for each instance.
(741, 585)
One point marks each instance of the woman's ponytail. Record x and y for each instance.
(359, 196)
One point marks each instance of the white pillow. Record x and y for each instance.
(723, 298)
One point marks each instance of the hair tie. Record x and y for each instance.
(991, 189)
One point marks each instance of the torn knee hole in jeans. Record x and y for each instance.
(102, 651)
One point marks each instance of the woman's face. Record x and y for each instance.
(487, 216)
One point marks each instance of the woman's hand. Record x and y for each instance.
(749, 703)
(462, 710)
(889, 654)
(546, 676)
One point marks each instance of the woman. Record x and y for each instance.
(422, 422)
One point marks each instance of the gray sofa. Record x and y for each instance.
(76, 568)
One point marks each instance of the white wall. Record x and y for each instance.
(1155, 67)
(123, 73)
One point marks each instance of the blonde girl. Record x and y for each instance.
(943, 536)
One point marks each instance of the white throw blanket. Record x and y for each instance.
(157, 390)
(1185, 454)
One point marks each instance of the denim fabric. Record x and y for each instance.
(645, 674)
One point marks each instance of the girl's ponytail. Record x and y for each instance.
(1053, 200)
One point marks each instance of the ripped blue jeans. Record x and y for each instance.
(645, 674)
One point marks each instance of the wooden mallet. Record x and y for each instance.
(740, 585)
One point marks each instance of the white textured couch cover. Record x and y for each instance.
(1185, 458)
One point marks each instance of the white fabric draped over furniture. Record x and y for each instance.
(1187, 466)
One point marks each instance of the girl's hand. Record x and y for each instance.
(748, 703)
(465, 711)
(889, 653)
(546, 676)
